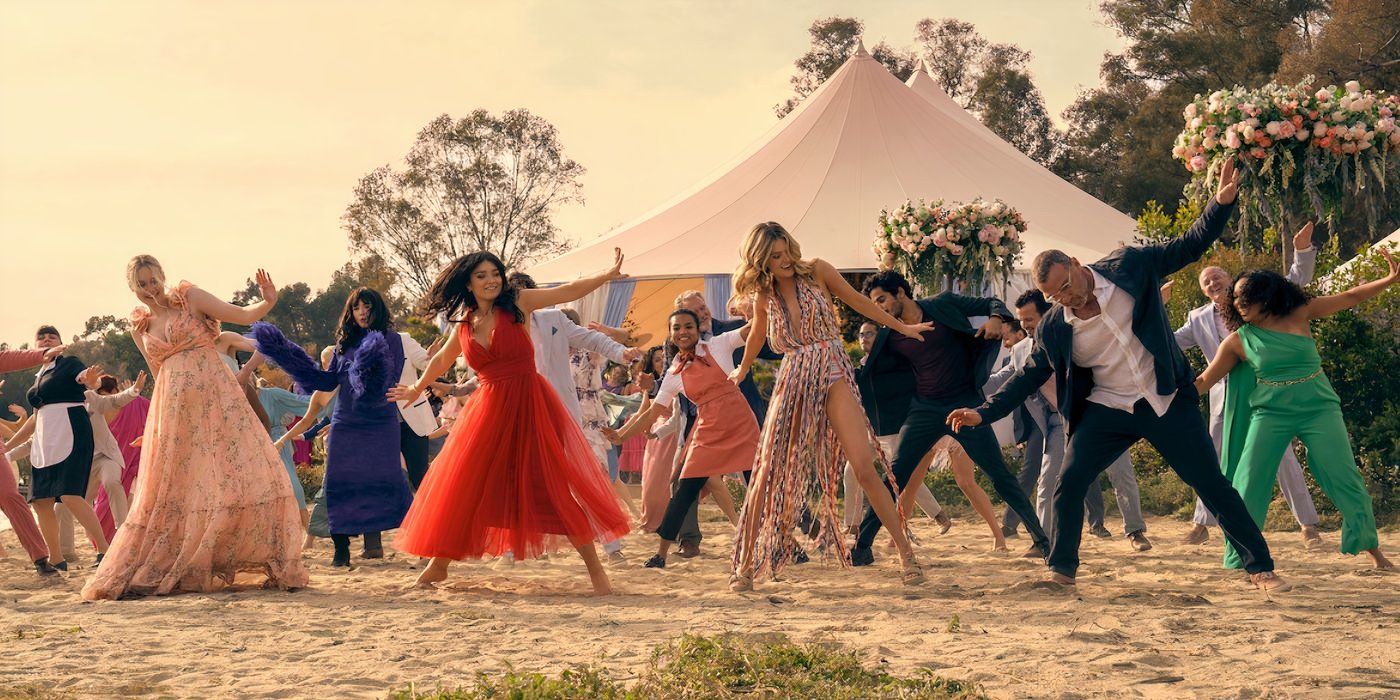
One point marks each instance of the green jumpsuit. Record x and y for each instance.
(1279, 392)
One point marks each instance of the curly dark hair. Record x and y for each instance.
(1272, 293)
(888, 280)
(451, 293)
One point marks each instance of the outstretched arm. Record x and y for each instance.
(215, 308)
(442, 361)
(758, 334)
(1011, 395)
(1304, 257)
(832, 279)
(313, 410)
(532, 299)
(1331, 304)
(1178, 253)
(1230, 354)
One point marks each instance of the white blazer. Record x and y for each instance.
(553, 334)
(419, 415)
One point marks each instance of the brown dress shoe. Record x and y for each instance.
(1139, 541)
(688, 550)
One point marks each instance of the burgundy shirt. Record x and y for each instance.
(941, 366)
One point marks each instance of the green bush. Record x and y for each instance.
(727, 666)
(311, 476)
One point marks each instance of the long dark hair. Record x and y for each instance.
(672, 348)
(1268, 291)
(348, 333)
(452, 292)
(649, 362)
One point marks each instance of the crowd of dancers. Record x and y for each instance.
(536, 433)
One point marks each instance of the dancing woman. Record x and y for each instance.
(726, 434)
(12, 504)
(517, 474)
(1277, 391)
(815, 410)
(213, 499)
(365, 488)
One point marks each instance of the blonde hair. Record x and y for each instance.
(752, 275)
(141, 262)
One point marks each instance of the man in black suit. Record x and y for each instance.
(920, 382)
(1120, 377)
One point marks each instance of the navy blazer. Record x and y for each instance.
(886, 379)
(1138, 271)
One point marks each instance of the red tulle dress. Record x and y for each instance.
(517, 474)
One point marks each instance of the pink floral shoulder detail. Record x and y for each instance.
(140, 319)
(178, 294)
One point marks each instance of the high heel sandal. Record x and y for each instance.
(913, 573)
(740, 584)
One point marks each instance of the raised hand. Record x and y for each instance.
(1390, 258)
(915, 331)
(18, 411)
(140, 381)
(616, 272)
(52, 353)
(1166, 291)
(964, 417)
(993, 329)
(1302, 240)
(91, 377)
(1229, 183)
(266, 288)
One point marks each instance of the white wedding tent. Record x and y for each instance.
(862, 142)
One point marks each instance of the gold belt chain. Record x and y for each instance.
(1290, 382)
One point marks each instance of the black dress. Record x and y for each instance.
(57, 473)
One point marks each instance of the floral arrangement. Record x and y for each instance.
(936, 244)
(1302, 150)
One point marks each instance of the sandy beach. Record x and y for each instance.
(1166, 623)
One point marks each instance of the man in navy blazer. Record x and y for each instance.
(1119, 376)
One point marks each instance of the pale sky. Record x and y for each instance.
(226, 136)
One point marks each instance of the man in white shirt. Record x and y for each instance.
(1119, 377)
(1205, 329)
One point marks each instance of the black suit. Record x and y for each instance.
(886, 385)
(1098, 434)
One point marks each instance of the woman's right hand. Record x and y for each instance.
(400, 393)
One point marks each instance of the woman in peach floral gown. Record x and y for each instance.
(212, 499)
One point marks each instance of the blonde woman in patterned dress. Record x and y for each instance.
(212, 499)
(815, 414)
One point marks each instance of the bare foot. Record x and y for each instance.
(1063, 580)
(1197, 535)
(1268, 581)
(601, 585)
(1000, 546)
(1381, 562)
(433, 574)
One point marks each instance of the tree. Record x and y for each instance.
(1007, 101)
(1354, 40)
(834, 39)
(483, 182)
(954, 51)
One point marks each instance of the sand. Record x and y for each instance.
(1168, 622)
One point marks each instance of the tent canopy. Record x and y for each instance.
(862, 142)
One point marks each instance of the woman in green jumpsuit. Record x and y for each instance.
(1277, 391)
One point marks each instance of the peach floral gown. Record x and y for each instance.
(212, 497)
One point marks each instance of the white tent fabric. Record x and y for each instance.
(860, 143)
(1392, 241)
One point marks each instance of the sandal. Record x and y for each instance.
(655, 562)
(740, 584)
(1268, 581)
(913, 574)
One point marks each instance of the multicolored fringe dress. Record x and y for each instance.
(798, 454)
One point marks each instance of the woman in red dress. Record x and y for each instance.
(516, 475)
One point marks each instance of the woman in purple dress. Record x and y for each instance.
(365, 488)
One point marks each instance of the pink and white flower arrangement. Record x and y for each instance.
(936, 242)
(1302, 150)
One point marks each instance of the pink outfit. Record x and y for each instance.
(657, 464)
(128, 425)
(213, 499)
(14, 506)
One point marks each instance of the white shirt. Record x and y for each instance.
(418, 416)
(53, 433)
(552, 334)
(104, 444)
(1123, 368)
(719, 349)
(1020, 354)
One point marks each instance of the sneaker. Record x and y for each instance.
(862, 556)
(617, 557)
(1197, 535)
(1139, 541)
(656, 562)
(1100, 531)
(44, 568)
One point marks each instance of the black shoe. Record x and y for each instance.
(862, 556)
(61, 566)
(44, 568)
(372, 553)
(799, 556)
(1100, 531)
(341, 559)
(1008, 532)
(1035, 552)
(656, 562)
(98, 561)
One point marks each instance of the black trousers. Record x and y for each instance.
(688, 532)
(1030, 475)
(1180, 435)
(685, 498)
(926, 423)
(414, 448)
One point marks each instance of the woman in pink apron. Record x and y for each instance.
(726, 434)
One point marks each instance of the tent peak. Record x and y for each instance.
(923, 67)
(860, 48)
